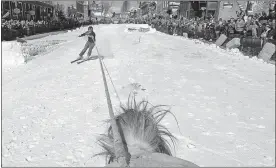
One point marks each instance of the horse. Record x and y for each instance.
(144, 138)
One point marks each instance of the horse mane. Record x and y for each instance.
(141, 130)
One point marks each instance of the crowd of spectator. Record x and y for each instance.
(15, 28)
(253, 30)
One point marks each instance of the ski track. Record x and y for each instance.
(224, 103)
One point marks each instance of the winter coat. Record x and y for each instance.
(240, 26)
(91, 36)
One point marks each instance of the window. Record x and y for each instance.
(227, 5)
(211, 13)
(6, 5)
(202, 4)
(19, 5)
(250, 6)
(12, 5)
(212, 5)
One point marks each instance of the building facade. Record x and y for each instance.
(130, 7)
(68, 8)
(85, 10)
(95, 8)
(228, 10)
(148, 7)
(125, 7)
(184, 9)
(174, 6)
(27, 10)
(159, 7)
(144, 6)
(80, 8)
(163, 6)
(220, 9)
(200, 9)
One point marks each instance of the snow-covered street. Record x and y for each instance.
(52, 111)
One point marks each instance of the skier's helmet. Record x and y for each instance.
(90, 28)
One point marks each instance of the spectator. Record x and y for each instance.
(263, 18)
(239, 26)
(265, 34)
(231, 27)
(273, 25)
(219, 27)
(251, 27)
(15, 28)
(224, 28)
(270, 32)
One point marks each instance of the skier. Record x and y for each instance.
(89, 44)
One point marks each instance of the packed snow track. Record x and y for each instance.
(52, 111)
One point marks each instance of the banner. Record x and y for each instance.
(6, 15)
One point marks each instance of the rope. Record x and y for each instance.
(117, 95)
(120, 151)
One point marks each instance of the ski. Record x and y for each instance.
(75, 60)
(91, 58)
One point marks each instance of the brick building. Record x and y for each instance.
(27, 10)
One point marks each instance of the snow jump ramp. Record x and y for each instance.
(140, 28)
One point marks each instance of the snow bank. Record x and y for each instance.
(12, 54)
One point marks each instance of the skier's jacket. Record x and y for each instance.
(91, 36)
